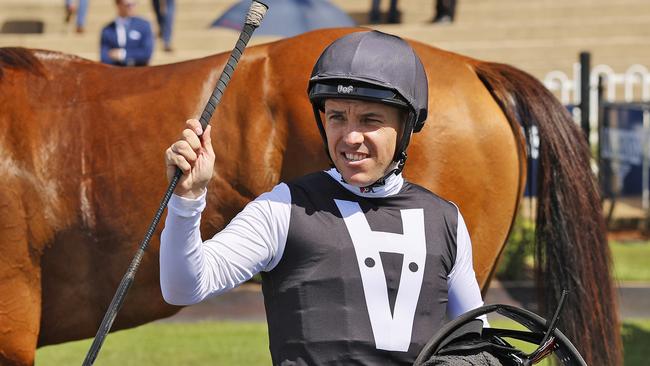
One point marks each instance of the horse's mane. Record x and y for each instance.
(19, 58)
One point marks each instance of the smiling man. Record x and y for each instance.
(362, 137)
(359, 266)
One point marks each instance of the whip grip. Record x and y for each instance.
(253, 19)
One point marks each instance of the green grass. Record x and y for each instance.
(524, 346)
(209, 343)
(233, 343)
(630, 258)
(635, 333)
(636, 341)
(631, 261)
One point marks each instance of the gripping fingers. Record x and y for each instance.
(182, 163)
(195, 126)
(191, 138)
(174, 158)
(183, 148)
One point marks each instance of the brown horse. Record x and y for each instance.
(82, 171)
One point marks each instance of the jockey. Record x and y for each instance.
(358, 265)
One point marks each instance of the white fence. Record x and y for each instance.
(634, 84)
(624, 148)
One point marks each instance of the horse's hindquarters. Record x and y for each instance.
(468, 154)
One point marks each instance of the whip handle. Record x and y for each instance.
(226, 75)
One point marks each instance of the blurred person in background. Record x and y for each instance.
(165, 17)
(445, 10)
(375, 12)
(81, 9)
(128, 40)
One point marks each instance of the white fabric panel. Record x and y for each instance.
(463, 291)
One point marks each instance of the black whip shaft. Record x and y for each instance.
(226, 75)
(129, 276)
(208, 111)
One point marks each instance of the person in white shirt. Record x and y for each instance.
(359, 266)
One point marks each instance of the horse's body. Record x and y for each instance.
(82, 147)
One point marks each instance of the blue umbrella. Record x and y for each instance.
(288, 17)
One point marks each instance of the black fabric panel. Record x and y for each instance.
(314, 298)
(392, 263)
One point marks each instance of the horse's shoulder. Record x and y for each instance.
(414, 187)
(35, 61)
(307, 43)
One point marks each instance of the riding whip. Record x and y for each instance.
(254, 17)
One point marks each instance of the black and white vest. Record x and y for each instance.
(362, 281)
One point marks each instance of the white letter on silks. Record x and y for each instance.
(392, 333)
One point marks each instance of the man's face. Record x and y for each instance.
(125, 8)
(361, 138)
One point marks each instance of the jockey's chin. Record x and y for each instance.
(360, 177)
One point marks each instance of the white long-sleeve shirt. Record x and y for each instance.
(192, 269)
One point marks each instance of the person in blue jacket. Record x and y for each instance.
(128, 40)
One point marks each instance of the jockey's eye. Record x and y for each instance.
(336, 117)
(373, 121)
(372, 118)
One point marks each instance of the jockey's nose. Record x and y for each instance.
(353, 136)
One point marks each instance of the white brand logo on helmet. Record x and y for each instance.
(345, 89)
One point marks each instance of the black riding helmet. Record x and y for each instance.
(377, 67)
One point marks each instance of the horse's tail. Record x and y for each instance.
(571, 246)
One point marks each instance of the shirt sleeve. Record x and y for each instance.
(464, 293)
(192, 270)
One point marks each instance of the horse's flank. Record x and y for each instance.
(96, 134)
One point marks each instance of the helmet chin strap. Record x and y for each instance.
(321, 130)
(400, 152)
(394, 168)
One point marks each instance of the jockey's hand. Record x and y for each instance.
(194, 156)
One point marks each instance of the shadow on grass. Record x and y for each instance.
(636, 342)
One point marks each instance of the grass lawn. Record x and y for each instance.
(209, 343)
(636, 339)
(233, 343)
(631, 260)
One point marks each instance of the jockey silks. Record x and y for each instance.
(362, 280)
(349, 276)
